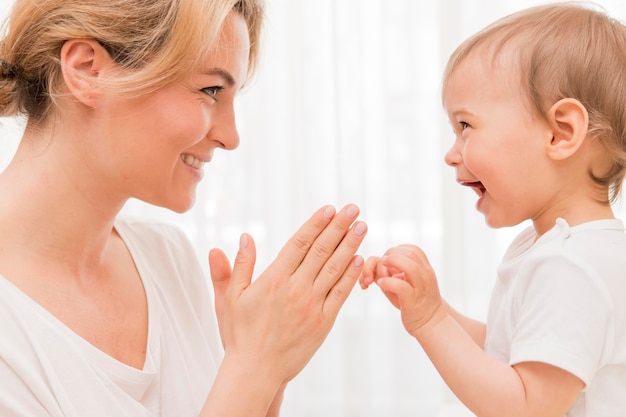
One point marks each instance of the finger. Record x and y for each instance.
(381, 270)
(339, 293)
(336, 265)
(219, 267)
(414, 265)
(365, 281)
(390, 296)
(368, 273)
(408, 251)
(326, 247)
(398, 291)
(291, 255)
(244, 265)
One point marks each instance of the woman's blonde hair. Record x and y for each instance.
(159, 40)
(566, 50)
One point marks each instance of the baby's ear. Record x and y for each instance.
(81, 63)
(569, 121)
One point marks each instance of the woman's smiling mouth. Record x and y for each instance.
(192, 161)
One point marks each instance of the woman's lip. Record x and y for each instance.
(194, 161)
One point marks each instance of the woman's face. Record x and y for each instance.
(158, 144)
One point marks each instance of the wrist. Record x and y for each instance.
(243, 387)
(253, 369)
(439, 316)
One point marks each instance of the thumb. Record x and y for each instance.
(244, 264)
(219, 267)
(396, 289)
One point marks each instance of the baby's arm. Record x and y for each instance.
(476, 329)
(375, 269)
(486, 386)
(492, 388)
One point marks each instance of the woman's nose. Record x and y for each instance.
(224, 130)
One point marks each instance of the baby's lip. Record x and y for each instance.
(478, 186)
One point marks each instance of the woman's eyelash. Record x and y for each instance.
(212, 91)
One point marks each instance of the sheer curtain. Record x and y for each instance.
(345, 108)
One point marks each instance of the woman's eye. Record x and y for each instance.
(212, 91)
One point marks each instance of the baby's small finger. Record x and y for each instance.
(365, 280)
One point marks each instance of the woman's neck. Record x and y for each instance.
(52, 205)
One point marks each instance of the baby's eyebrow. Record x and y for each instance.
(228, 78)
(460, 112)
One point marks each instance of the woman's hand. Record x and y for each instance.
(275, 324)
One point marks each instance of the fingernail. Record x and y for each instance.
(329, 212)
(352, 211)
(358, 261)
(359, 229)
(243, 241)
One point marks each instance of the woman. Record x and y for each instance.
(103, 316)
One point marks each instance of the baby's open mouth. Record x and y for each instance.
(477, 186)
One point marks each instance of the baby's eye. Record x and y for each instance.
(212, 91)
(464, 125)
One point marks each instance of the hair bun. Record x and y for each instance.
(7, 70)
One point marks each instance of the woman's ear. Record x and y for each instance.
(81, 63)
(569, 121)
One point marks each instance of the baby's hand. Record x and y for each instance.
(410, 284)
(372, 270)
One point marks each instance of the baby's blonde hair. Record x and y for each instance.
(158, 40)
(567, 50)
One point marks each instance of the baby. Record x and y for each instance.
(537, 102)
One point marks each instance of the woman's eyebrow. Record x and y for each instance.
(228, 78)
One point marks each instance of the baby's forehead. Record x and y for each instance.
(494, 66)
(486, 76)
(496, 56)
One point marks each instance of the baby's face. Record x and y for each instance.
(499, 147)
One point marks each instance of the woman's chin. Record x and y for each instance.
(180, 205)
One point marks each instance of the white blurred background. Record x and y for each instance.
(345, 108)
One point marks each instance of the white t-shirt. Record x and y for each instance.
(562, 300)
(48, 370)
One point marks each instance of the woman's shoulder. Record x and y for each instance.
(166, 259)
(153, 228)
(152, 235)
(159, 246)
